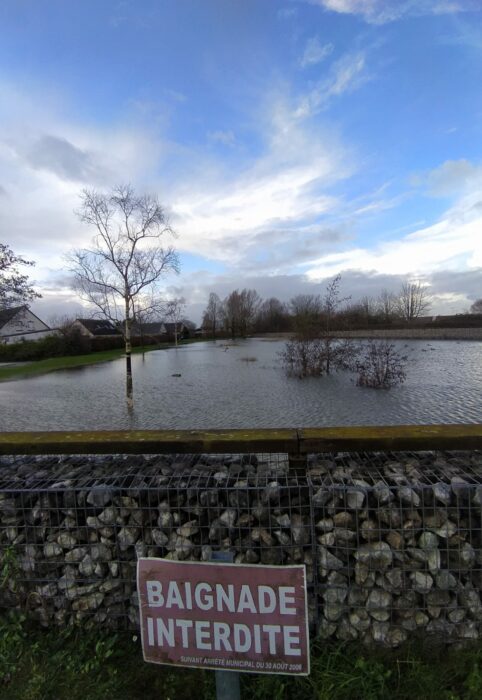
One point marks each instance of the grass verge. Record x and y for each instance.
(52, 364)
(72, 664)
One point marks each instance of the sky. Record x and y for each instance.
(288, 140)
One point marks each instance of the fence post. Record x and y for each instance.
(227, 682)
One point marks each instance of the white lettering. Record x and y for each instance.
(291, 637)
(257, 639)
(174, 596)
(238, 630)
(155, 598)
(223, 598)
(188, 595)
(221, 634)
(202, 633)
(165, 632)
(272, 631)
(286, 597)
(207, 602)
(246, 600)
(150, 631)
(185, 625)
(263, 592)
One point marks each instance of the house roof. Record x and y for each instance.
(99, 326)
(6, 315)
(153, 328)
(171, 327)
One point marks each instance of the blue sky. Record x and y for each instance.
(289, 140)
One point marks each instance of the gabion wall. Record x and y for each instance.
(391, 542)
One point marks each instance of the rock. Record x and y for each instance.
(300, 529)
(421, 582)
(66, 540)
(355, 498)
(428, 540)
(52, 549)
(442, 493)
(382, 493)
(360, 620)
(376, 555)
(86, 566)
(127, 536)
(461, 487)
(109, 516)
(343, 519)
(470, 599)
(327, 560)
(325, 525)
(408, 496)
(159, 537)
(446, 530)
(370, 530)
(321, 497)
(378, 604)
(380, 631)
(91, 602)
(395, 539)
(189, 529)
(99, 496)
(100, 553)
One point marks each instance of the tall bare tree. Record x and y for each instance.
(387, 305)
(413, 301)
(126, 259)
(240, 310)
(174, 313)
(14, 286)
(213, 314)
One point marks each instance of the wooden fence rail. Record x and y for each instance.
(296, 442)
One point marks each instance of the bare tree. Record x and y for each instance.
(174, 313)
(240, 310)
(213, 314)
(387, 305)
(380, 366)
(126, 259)
(306, 310)
(14, 286)
(476, 307)
(413, 301)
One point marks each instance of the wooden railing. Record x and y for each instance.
(296, 442)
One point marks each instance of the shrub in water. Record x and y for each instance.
(381, 366)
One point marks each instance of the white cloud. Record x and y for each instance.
(451, 178)
(453, 243)
(345, 75)
(315, 52)
(383, 11)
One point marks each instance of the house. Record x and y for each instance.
(96, 327)
(19, 323)
(155, 329)
(181, 328)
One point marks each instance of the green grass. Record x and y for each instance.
(72, 664)
(52, 364)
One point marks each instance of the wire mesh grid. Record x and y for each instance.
(72, 528)
(391, 541)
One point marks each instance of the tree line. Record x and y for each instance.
(244, 311)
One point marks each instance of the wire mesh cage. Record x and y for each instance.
(391, 541)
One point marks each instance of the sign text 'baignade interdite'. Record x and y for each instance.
(234, 617)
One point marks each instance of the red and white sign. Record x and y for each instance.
(232, 617)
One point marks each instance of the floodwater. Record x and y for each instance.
(245, 386)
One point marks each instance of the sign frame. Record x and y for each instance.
(219, 566)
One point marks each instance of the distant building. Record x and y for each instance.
(96, 327)
(156, 329)
(19, 323)
(182, 330)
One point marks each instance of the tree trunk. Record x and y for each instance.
(129, 383)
